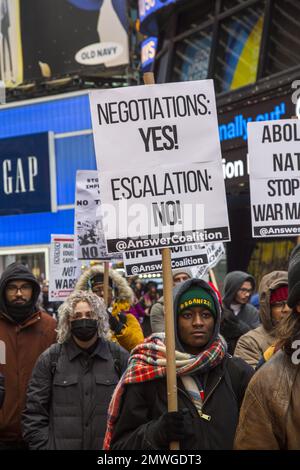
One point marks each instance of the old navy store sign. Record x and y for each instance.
(27, 174)
(237, 126)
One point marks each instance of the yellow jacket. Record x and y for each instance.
(131, 335)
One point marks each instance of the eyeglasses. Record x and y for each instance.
(13, 289)
(245, 290)
(280, 305)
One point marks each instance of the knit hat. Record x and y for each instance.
(186, 271)
(279, 294)
(99, 279)
(294, 277)
(197, 297)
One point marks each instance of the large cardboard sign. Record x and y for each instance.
(274, 161)
(161, 174)
(64, 269)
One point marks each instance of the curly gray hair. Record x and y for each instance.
(67, 308)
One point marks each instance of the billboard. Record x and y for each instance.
(11, 62)
(73, 36)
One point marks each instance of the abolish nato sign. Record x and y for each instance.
(274, 159)
(27, 174)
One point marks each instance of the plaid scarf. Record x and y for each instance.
(148, 362)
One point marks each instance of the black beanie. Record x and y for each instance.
(294, 277)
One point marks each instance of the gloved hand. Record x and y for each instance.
(171, 426)
(116, 323)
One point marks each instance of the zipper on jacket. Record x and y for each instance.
(201, 414)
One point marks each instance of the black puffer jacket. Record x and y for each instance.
(224, 387)
(66, 408)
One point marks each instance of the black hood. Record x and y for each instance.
(177, 293)
(232, 283)
(17, 271)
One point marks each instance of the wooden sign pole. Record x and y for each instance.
(169, 317)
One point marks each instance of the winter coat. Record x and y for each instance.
(253, 344)
(224, 388)
(2, 390)
(23, 344)
(157, 316)
(233, 326)
(270, 414)
(132, 333)
(66, 408)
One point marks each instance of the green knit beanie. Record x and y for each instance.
(196, 297)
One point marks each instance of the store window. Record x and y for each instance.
(269, 256)
(228, 4)
(35, 262)
(238, 48)
(191, 57)
(198, 13)
(284, 40)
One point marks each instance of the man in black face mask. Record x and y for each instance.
(73, 381)
(25, 333)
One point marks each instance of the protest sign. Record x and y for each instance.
(274, 160)
(89, 236)
(149, 261)
(200, 258)
(64, 269)
(215, 251)
(162, 181)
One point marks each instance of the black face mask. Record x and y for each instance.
(84, 329)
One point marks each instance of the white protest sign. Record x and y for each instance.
(149, 261)
(64, 269)
(161, 171)
(151, 125)
(89, 236)
(215, 251)
(274, 158)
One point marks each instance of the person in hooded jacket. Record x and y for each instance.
(210, 383)
(273, 294)
(239, 316)
(270, 414)
(25, 332)
(126, 328)
(73, 381)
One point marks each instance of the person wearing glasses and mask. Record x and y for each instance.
(25, 332)
(273, 295)
(73, 381)
(239, 316)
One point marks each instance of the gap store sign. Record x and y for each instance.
(27, 174)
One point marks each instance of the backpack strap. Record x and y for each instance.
(116, 354)
(54, 356)
(234, 377)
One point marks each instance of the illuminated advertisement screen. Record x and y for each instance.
(147, 8)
